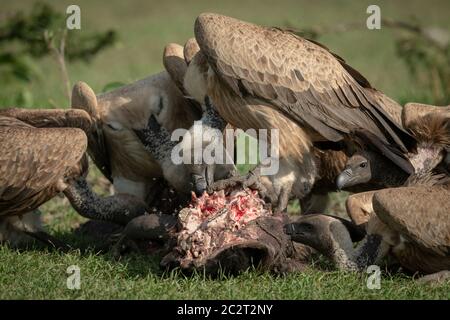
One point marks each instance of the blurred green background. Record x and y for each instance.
(144, 27)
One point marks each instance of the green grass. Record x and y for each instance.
(144, 28)
(38, 274)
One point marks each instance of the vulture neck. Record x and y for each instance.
(160, 146)
(120, 208)
(212, 118)
(366, 253)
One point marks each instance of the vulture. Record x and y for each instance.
(113, 144)
(410, 221)
(157, 141)
(267, 78)
(430, 125)
(43, 155)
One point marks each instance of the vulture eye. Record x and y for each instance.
(363, 165)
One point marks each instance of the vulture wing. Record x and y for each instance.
(83, 97)
(420, 214)
(173, 60)
(297, 77)
(176, 65)
(414, 112)
(34, 159)
(51, 118)
(190, 49)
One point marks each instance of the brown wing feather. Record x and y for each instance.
(33, 160)
(173, 60)
(83, 97)
(51, 118)
(297, 77)
(421, 214)
(414, 112)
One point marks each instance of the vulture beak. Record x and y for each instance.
(344, 178)
(202, 179)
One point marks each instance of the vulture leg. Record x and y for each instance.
(120, 208)
(157, 227)
(283, 198)
(435, 278)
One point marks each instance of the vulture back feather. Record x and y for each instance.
(418, 213)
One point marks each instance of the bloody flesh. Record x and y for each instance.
(212, 222)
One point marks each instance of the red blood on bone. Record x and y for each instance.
(214, 221)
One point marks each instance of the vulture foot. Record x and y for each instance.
(250, 180)
(435, 278)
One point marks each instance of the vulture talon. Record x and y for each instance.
(249, 180)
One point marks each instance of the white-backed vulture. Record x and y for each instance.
(34, 164)
(42, 160)
(266, 78)
(184, 177)
(246, 66)
(412, 221)
(114, 146)
(431, 128)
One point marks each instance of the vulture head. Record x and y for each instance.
(380, 163)
(367, 166)
(325, 233)
(374, 161)
(357, 171)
